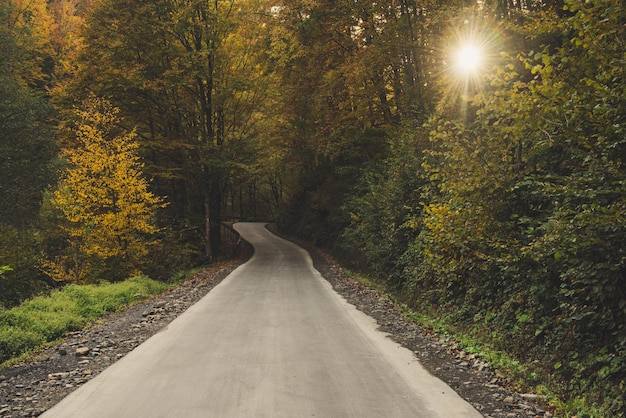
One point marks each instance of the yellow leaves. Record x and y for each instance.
(97, 115)
(103, 196)
(284, 47)
(30, 22)
(413, 224)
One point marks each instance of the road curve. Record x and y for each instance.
(272, 340)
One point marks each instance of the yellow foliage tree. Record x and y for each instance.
(31, 23)
(104, 200)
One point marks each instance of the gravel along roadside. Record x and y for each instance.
(30, 388)
(472, 378)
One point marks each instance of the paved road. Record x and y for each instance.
(272, 340)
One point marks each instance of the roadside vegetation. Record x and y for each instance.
(44, 319)
(525, 376)
(468, 155)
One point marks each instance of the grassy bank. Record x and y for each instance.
(47, 318)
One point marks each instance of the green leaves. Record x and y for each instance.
(523, 203)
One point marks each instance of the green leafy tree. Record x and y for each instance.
(525, 227)
(513, 223)
(26, 151)
(26, 145)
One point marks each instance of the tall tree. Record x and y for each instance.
(352, 72)
(31, 23)
(104, 200)
(184, 73)
(26, 150)
(524, 226)
(69, 21)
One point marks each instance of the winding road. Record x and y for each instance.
(272, 340)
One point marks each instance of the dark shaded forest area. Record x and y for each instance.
(485, 187)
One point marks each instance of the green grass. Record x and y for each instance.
(184, 275)
(47, 318)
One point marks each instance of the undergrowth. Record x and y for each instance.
(473, 339)
(47, 318)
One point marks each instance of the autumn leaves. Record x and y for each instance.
(107, 212)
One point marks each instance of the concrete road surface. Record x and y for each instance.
(272, 340)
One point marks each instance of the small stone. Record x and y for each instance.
(62, 351)
(530, 396)
(509, 400)
(2, 378)
(82, 351)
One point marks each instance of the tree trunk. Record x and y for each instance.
(215, 216)
(208, 243)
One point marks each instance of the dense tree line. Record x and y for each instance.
(26, 145)
(130, 130)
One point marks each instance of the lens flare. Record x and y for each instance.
(468, 58)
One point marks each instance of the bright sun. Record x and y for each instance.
(468, 58)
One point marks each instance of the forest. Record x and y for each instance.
(485, 187)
